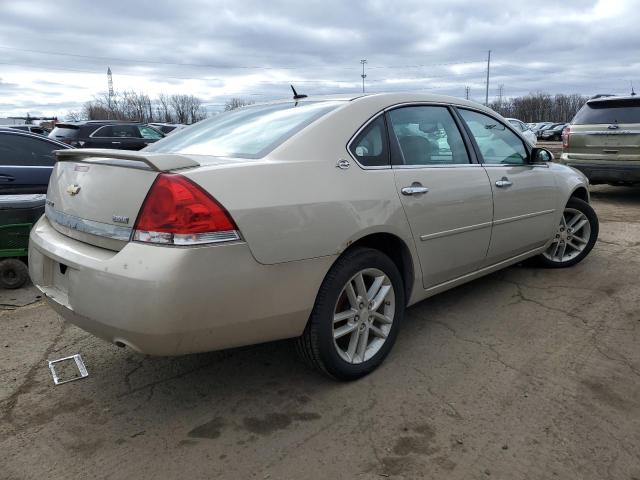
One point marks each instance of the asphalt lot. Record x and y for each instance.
(526, 373)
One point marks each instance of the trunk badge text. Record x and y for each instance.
(120, 219)
(73, 189)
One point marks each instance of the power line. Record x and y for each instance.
(230, 67)
(278, 81)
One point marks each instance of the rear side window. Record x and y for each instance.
(248, 132)
(609, 112)
(428, 136)
(26, 151)
(117, 131)
(370, 147)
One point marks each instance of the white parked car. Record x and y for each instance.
(525, 130)
(316, 219)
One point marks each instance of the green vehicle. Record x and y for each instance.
(603, 140)
(18, 213)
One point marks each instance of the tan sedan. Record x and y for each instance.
(320, 219)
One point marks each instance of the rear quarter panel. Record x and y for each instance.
(296, 204)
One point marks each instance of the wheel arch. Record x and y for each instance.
(396, 249)
(580, 192)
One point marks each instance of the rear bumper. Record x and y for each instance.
(171, 301)
(605, 171)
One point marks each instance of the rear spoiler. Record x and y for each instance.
(160, 162)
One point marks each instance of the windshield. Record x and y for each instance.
(249, 132)
(609, 112)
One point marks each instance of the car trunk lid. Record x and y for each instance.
(95, 195)
(607, 142)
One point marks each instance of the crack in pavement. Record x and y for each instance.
(27, 384)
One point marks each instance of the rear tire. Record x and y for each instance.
(13, 273)
(576, 235)
(356, 316)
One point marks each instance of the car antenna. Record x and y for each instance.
(633, 92)
(296, 95)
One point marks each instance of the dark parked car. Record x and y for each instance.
(27, 128)
(26, 160)
(106, 134)
(553, 133)
(541, 131)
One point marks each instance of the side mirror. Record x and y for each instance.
(541, 155)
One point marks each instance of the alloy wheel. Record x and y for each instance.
(571, 237)
(363, 315)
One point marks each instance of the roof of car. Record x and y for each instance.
(388, 98)
(99, 122)
(24, 133)
(617, 98)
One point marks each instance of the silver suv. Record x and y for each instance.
(603, 140)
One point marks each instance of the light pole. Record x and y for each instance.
(363, 61)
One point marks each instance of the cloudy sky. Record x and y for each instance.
(54, 53)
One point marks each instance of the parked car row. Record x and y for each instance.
(548, 131)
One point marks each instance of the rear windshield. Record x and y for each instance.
(64, 132)
(249, 132)
(608, 112)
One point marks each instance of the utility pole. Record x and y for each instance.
(500, 92)
(363, 61)
(466, 93)
(110, 84)
(486, 97)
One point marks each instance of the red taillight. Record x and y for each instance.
(178, 212)
(566, 133)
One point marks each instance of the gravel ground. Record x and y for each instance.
(524, 374)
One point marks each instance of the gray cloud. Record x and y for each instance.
(253, 49)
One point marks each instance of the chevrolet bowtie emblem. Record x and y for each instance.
(73, 189)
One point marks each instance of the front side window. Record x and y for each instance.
(498, 144)
(428, 136)
(371, 147)
(248, 132)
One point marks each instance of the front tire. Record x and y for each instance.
(356, 317)
(574, 238)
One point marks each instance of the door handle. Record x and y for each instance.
(414, 189)
(6, 178)
(504, 182)
(114, 143)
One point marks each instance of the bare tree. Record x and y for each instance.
(234, 103)
(138, 106)
(541, 106)
(74, 116)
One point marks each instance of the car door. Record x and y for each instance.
(524, 194)
(445, 194)
(25, 163)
